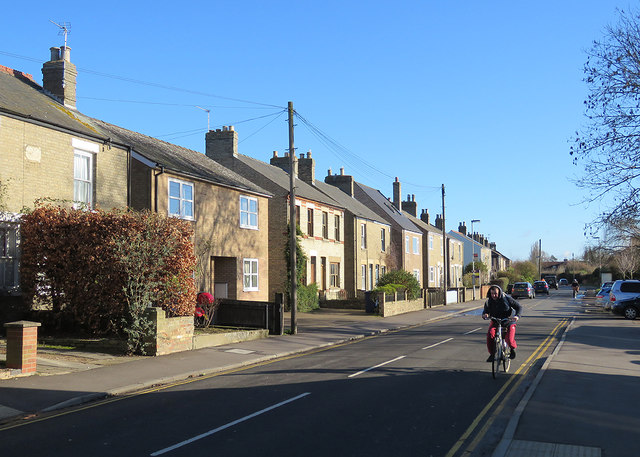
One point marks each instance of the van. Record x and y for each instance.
(624, 290)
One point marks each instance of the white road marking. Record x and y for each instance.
(474, 330)
(240, 351)
(230, 424)
(438, 344)
(377, 366)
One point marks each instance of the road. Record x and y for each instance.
(426, 390)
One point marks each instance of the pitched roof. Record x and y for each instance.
(280, 178)
(177, 158)
(349, 203)
(22, 97)
(384, 207)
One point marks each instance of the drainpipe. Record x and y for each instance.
(155, 191)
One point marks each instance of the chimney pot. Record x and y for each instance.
(309, 154)
(55, 53)
(341, 171)
(275, 153)
(231, 128)
(329, 172)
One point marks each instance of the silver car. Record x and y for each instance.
(623, 290)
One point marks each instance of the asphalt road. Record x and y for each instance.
(426, 390)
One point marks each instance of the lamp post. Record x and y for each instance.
(599, 260)
(473, 258)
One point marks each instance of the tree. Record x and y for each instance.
(608, 145)
(483, 271)
(534, 254)
(627, 261)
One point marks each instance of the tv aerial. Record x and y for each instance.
(64, 29)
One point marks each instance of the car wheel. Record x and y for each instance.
(630, 312)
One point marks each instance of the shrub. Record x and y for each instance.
(307, 297)
(501, 282)
(403, 278)
(102, 269)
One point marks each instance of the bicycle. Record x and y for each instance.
(501, 351)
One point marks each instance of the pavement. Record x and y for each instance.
(570, 409)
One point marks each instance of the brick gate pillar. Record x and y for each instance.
(22, 345)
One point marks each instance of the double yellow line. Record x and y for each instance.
(516, 381)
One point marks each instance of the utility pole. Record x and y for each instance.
(540, 258)
(292, 226)
(445, 252)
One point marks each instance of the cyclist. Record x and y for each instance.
(502, 306)
(575, 286)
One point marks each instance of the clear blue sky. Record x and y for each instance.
(483, 97)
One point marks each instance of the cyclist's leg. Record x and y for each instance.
(491, 334)
(511, 336)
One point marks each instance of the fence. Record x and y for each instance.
(251, 314)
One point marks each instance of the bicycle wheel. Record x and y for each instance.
(497, 355)
(506, 361)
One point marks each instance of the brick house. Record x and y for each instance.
(50, 150)
(406, 238)
(320, 218)
(367, 236)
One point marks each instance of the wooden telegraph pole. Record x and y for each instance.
(292, 226)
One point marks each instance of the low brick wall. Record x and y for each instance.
(391, 308)
(205, 340)
(168, 334)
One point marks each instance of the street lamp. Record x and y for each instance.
(599, 260)
(473, 258)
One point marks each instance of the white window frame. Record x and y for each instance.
(416, 245)
(182, 199)
(416, 274)
(430, 242)
(383, 239)
(79, 181)
(363, 276)
(406, 244)
(250, 276)
(363, 236)
(9, 256)
(432, 274)
(248, 212)
(334, 274)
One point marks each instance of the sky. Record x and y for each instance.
(481, 97)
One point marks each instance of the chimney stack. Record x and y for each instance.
(424, 216)
(462, 228)
(222, 144)
(59, 76)
(439, 221)
(396, 194)
(341, 181)
(410, 206)
(307, 168)
(283, 162)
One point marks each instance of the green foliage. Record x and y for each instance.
(479, 265)
(308, 297)
(301, 261)
(403, 278)
(388, 289)
(524, 271)
(502, 282)
(467, 280)
(100, 270)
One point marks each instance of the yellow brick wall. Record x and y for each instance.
(37, 162)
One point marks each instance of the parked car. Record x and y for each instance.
(523, 289)
(602, 297)
(628, 308)
(541, 287)
(563, 282)
(623, 289)
(552, 281)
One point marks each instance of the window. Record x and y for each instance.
(430, 241)
(377, 273)
(180, 199)
(383, 240)
(432, 274)
(336, 227)
(248, 212)
(363, 236)
(334, 274)
(383, 270)
(363, 276)
(416, 245)
(297, 215)
(416, 274)
(325, 225)
(9, 271)
(250, 274)
(310, 221)
(83, 179)
(371, 276)
(406, 244)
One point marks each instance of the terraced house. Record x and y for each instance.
(321, 219)
(48, 149)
